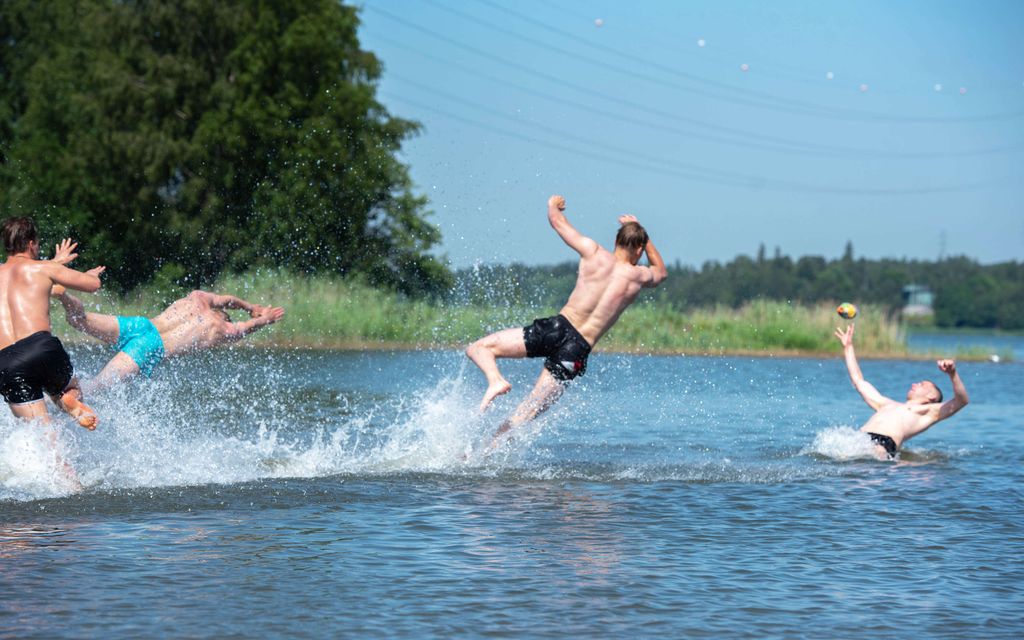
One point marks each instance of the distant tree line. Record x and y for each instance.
(177, 140)
(967, 294)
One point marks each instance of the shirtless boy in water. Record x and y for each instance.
(896, 422)
(607, 283)
(32, 360)
(193, 323)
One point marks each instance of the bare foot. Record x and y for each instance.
(79, 410)
(498, 388)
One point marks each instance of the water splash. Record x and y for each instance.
(227, 420)
(30, 466)
(841, 443)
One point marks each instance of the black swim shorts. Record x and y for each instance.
(888, 443)
(564, 349)
(33, 365)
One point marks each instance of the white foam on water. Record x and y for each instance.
(30, 465)
(227, 430)
(431, 431)
(841, 443)
(144, 440)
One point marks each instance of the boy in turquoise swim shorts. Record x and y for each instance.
(196, 322)
(140, 341)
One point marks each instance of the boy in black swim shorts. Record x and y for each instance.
(555, 339)
(608, 282)
(32, 361)
(895, 422)
(33, 365)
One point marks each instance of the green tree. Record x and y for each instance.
(195, 136)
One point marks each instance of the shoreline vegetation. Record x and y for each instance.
(332, 312)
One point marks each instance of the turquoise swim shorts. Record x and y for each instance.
(141, 341)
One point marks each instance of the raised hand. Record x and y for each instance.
(628, 217)
(947, 366)
(556, 201)
(64, 252)
(96, 271)
(846, 337)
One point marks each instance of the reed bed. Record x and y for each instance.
(334, 312)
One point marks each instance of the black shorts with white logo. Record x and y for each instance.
(564, 350)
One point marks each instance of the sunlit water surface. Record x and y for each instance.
(249, 493)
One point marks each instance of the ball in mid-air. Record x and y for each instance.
(847, 310)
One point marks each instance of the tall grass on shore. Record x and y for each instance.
(761, 326)
(333, 312)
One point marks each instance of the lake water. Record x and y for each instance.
(250, 493)
(995, 344)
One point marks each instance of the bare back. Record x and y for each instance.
(190, 324)
(24, 299)
(605, 286)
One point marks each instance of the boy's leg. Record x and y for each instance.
(120, 367)
(545, 393)
(71, 402)
(484, 353)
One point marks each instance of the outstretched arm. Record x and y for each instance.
(218, 301)
(656, 265)
(265, 316)
(960, 398)
(73, 307)
(579, 242)
(98, 325)
(88, 281)
(866, 390)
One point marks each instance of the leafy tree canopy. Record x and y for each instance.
(186, 137)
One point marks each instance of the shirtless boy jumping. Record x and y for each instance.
(193, 323)
(896, 422)
(607, 283)
(32, 360)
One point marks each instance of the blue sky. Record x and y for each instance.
(913, 147)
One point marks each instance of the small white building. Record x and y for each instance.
(917, 301)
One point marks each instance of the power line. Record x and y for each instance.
(776, 144)
(632, 73)
(548, 144)
(620, 151)
(566, 84)
(801, 74)
(795, 106)
(657, 166)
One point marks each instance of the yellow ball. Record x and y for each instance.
(847, 310)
